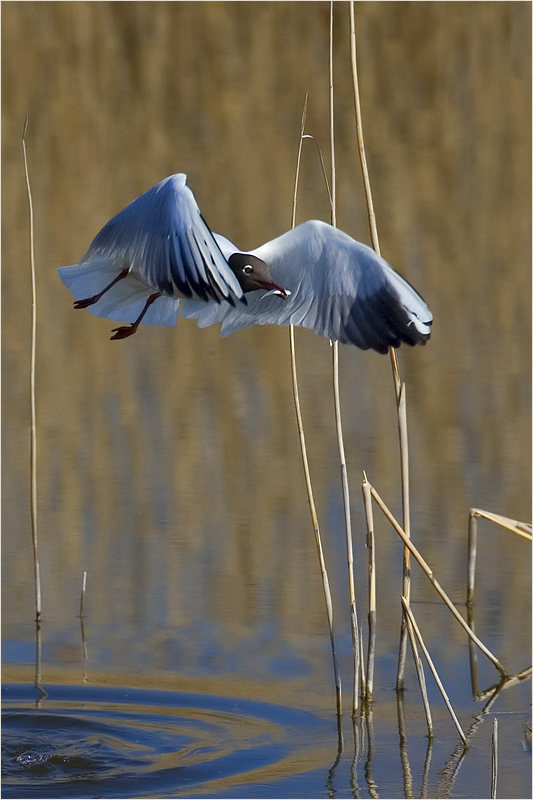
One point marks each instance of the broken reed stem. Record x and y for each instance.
(436, 585)
(421, 677)
(520, 528)
(399, 388)
(412, 622)
(494, 781)
(33, 435)
(370, 657)
(337, 403)
(305, 460)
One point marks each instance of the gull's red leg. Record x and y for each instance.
(123, 332)
(89, 301)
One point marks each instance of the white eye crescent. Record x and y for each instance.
(247, 269)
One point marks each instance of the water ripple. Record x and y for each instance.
(93, 741)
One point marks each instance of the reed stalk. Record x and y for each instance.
(472, 650)
(421, 678)
(369, 515)
(472, 556)
(362, 661)
(83, 593)
(354, 624)
(436, 585)
(399, 388)
(33, 423)
(416, 629)
(305, 462)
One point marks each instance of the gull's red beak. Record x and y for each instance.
(275, 288)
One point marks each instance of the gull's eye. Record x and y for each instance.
(247, 269)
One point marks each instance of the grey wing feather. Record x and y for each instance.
(163, 238)
(339, 288)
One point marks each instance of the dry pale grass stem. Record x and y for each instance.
(33, 435)
(357, 654)
(369, 516)
(411, 621)
(420, 675)
(305, 460)
(399, 387)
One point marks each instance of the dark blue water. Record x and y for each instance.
(91, 741)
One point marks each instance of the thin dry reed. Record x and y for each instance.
(33, 434)
(421, 677)
(357, 655)
(369, 515)
(410, 620)
(305, 460)
(398, 386)
(83, 593)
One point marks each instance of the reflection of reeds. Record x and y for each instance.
(494, 781)
(33, 437)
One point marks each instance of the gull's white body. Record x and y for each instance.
(338, 287)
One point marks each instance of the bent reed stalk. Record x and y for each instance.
(522, 529)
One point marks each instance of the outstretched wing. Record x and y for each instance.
(339, 288)
(162, 238)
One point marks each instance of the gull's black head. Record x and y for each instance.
(252, 274)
